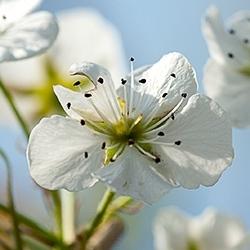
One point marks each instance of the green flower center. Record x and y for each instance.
(192, 245)
(245, 71)
(44, 94)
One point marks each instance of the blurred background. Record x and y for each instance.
(149, 29)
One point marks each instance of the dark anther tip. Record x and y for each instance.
(77, 83)
(68, 105)
(157, 160)
(142, 80)
(82, 122)
(87, 95)
(177, 143)
(100, 80)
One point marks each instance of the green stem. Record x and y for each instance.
(101, 210)
(13, 106)
(57, 213)
(34, 229)
(25, 128)
(17, 234)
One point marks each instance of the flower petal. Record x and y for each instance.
(133, 174)
(239, 25)
(15, 9)
(223, 47)
(74, 102)
(171, 230)
(103, 94)
(95, 40)
(30, 36)
(171, 76)
(230, 89)
(197, 146)
(244, 244)
(219, 231)
(62, 154)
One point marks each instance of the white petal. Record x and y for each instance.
(171, 230)
(94, 38)
(239, 24)
(221, 43)
(206, 144)
(13, 10)
(133, 174)
(77, 103)
(56, 154)
(159, 81)
(230, 89)
(244, 244)
(219, 231)
(27, 73)
(103, 91)
(30, 36)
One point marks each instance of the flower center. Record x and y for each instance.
(245, 71)
(43, 92)
(192, 245)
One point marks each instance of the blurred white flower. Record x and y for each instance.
(84, 35)
(227, 72)
(22, 34)
(174, 230)
(142, 136)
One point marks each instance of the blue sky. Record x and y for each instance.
(150, 29)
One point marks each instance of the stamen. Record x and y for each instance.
(165, 118)
(118, 152)
(145, 152)
(157, 160)
(68, 105)
(131, 142)
(155, 142)
(184, 95)
(177, 143)
(86, 155)
(135, 122)
(161, 133)
(132, 84)
(82, 122)
(173, 75)
(77, 83)
(104, 118)
(87, 95)
(142, 80)
(92, 124)
(103, 145)
(4, 17)
(151, 115)
(115, 111)
(230, 55)
(125, 97)
(100, 80)
(123, 81)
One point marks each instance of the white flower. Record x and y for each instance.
(227, 72)
(175, 230)
(84, 34)
(24, 35)
(143, 136)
